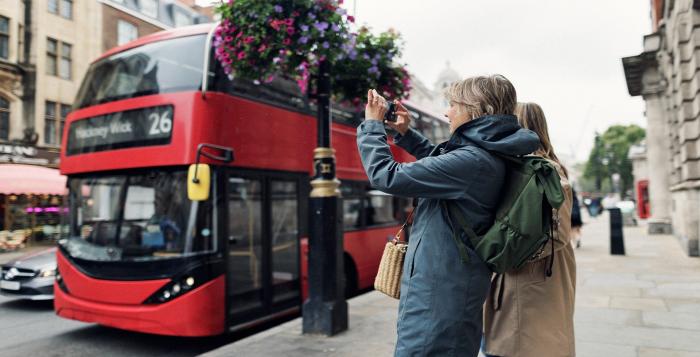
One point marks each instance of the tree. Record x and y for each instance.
(609, 156)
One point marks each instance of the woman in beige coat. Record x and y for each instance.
(528, 313)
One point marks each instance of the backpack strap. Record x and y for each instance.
(453, 211)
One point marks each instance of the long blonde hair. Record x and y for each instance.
(531, 116)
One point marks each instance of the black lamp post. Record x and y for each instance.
(326, 311)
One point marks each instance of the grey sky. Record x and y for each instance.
(563, 54)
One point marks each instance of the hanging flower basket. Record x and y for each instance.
(371, 62)
(258, 40)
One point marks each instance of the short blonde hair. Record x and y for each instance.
(483, 95)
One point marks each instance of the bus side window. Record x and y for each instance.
(352, 205)
(378, 208)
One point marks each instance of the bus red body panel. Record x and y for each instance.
(366, 248)
(198, 313)
(106, 291)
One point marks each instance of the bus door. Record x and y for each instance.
(263, 245)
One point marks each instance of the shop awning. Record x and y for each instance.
(28, 179)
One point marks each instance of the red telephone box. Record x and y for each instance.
(643, 207)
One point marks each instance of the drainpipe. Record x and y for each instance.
(28, 79)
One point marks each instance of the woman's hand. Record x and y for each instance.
(403, 119)
(376, 106)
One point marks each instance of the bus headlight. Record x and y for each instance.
(189, 279)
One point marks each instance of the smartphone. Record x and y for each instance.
(390, 114)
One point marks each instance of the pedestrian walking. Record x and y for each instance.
(440, 309)
(528, 313)
(576, 221)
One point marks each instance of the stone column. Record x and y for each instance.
(657, 154)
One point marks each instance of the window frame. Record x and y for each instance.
(155, 9)
(183, 15)
(57, 6)
(121, 23)
(62, 120)
(63, 7)
(67, 58)
(5, 36)
(48, 118)
(52, 70)
(58, 120)
(5, 111)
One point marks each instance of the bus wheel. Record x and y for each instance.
(350, 277)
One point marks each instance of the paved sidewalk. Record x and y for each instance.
(644, 304)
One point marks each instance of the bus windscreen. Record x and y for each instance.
(159, 67)
(137, 216)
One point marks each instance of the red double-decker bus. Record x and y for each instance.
(140, 255)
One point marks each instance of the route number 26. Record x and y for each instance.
(160, 124)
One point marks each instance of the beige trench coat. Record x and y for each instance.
(536, 315)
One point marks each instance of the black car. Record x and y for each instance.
(30, 277)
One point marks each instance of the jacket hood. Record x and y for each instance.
(498, 133)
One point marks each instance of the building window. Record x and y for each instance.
(149, 7)
(126, 32)
(50, 127)
(62, 7)
(20, 44)
(4, 37)
(51, 57)
(65, 110)
(181, 19)
(4, 119)
(67, 9)
(53, 6)
(65, 71)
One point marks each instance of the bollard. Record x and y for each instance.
(617, 240)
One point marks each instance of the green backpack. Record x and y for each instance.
(524, 220)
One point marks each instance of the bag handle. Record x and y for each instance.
(397, 237)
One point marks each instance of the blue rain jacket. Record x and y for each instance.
(440, 311)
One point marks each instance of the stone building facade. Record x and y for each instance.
(46, 46)
(667, 76)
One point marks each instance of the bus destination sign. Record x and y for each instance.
(132, 128)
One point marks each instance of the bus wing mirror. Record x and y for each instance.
(199, 175)
(198, 182)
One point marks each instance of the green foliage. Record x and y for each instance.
(609, 156)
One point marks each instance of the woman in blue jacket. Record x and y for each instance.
(440, 311)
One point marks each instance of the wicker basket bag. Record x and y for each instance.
(388, 280)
